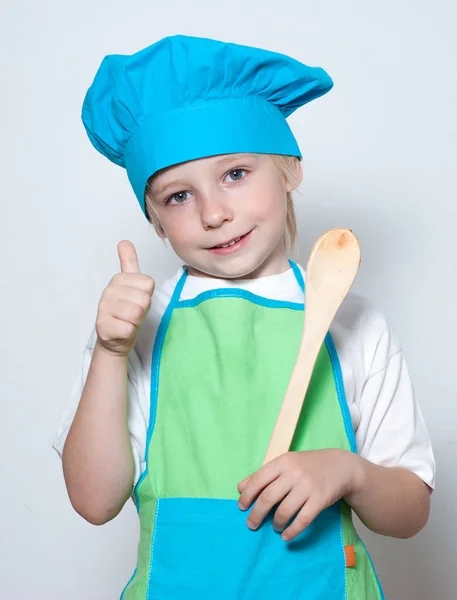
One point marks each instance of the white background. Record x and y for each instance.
(379, 157)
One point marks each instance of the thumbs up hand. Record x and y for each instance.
(124, 304)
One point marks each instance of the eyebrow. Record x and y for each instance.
(159, 191)
(226, 159)
(235, 157)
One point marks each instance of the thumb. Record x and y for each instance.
(128, 257)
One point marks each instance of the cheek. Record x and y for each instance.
(271, 204)
(176, 224)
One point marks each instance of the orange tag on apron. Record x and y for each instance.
(349, 551)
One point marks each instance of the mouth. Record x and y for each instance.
(231, 245)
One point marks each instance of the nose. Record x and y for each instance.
(215, 210)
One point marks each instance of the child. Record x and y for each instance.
(181, 386)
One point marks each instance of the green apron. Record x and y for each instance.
(220, 368)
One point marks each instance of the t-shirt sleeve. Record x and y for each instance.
(392, 430)
(389, 425)
(136, 419)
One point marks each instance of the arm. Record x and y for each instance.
(391, 500)
(97, 456)
(388, 500)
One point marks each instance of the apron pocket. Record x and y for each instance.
(202, 549)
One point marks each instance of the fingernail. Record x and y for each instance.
(278, 529)
(250, 524)
(285, 537)
(241, 506)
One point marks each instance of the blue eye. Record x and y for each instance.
(237, 174)
(178, 198)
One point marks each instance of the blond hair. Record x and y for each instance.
(287, 167)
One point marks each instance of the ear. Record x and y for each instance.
(292, 185)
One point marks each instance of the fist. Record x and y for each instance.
(124, 304)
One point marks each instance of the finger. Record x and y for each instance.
(115, 330)
(242, 484)
(132, 294)
(271, 495)
(134, 280)
(120, 330)
(304, 518)
(127, 311)
(288, 508)
(257, 482)
(128, 257)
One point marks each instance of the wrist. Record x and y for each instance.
(358, 476)
(102, 351)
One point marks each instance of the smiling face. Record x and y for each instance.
(224, 216)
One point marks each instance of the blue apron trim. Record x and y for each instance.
(238, 293)
(339, 384)
(128, 583)
(381, 593)
(155, 369)
(298, 275)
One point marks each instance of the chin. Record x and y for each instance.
(235, 269)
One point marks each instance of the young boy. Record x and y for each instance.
(181, 386)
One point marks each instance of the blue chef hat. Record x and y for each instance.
(185, 98)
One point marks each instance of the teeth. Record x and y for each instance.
(230, 243)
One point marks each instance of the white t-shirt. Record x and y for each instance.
(388, 423)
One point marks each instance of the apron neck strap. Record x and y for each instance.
(298, 275)
(178, 289)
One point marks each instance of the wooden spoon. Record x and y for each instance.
(331, 270)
